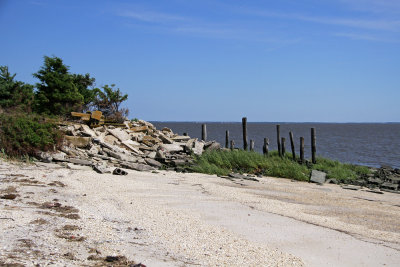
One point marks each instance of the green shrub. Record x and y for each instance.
(223, 162)
(22, 135)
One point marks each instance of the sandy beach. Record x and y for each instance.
(67, 217)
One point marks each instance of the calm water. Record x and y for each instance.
(371, 144)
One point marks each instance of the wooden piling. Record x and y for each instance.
(313, 146)
(204, 132)
(251, 145)
(265, 147)
(226, 139)
(301, 150)
(232, 144)
(278, 138)
(292, 145)
(283, 146)
(244, 126)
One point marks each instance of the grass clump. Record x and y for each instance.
(342, 172)
(24, 135)
(223, 162)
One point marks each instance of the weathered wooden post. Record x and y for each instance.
(204, 132)
(244, 125)
(283, 147)
(278, 138)
(265, 146)
(313, 146)
(292, 145)
(302, 150)
(251, 145)
(226, 139)
(232, 144)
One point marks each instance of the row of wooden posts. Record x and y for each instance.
(281, 142)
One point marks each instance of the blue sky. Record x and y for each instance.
(186, 60)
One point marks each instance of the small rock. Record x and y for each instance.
(317, 177)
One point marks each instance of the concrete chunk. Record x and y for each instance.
(171, 147)
(137, 166)
(153, 162)
(317, 177)
(78, 141)
(181, 138)
(120, 134)
(87, 131)
(80, 161)
(198, 148)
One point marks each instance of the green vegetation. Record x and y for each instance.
(24, 108)
(109, 101)
(14, 95)
(225, 162)
(22, 135)
(58, 92)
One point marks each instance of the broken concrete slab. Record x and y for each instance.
(171, 147)
(153, 162)
(165, 139)
(390, 186)
(118, 155)
(318, 177)
(110, 139)
(60, 156)
(351, 187)
(78, 141)
(80, 161)
(181, 138)
(120, 134)
(79, 167)
(87, 131)
(137, 166)
(212, 146)
(198, 147)
(129, 145)
(139, 129)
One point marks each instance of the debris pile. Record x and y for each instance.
(138, 146)
(385, 178)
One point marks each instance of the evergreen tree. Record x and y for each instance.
(14, 94)
(56, 93)
(85, 84)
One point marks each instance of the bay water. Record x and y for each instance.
(370, 144)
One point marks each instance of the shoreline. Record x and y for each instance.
(168, 219)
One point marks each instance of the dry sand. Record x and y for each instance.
(64, 217)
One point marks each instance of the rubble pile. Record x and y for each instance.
(138, 146)
(385, 178)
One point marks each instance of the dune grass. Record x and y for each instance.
(224, 162)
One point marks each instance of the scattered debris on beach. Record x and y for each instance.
(384, 179)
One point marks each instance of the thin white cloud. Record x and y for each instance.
(151, 16)
(364, 37)
(374, 6)
(371, 24)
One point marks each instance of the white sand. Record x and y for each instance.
(173, 219)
